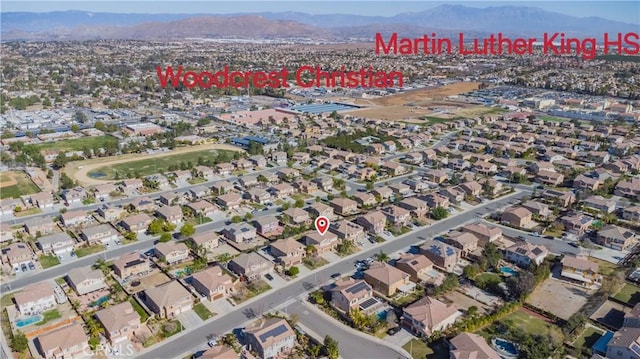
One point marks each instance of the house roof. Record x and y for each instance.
(79, 275)
(63, 338)
(213, 277)
(269, 331)
(248, 260)
(579, 263)
(519, 212)
(116, 317)
(386, 273)
(164, 248)
(430, 311)
(166, 295)
(529, 250)
(438, 248)
(414, 261)
(615, 232)
(33, 293)
(288, 245)
(219, 352)
(471, 346)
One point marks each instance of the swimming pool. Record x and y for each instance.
(99, 301)
(28, 321)
(508, 271)
(382, 315)
(505, 348)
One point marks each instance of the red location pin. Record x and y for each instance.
(322, 224)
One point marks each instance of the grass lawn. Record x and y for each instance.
(202, 311)
(629, 294)
(398, 231)
(420, 350)
(28, 212)
(6, 300)
(197, 180)
(533, 325)
(138, 308)
(254, 288)
(85, 251)
(606, 268)
(314, 262)
(552, 118)
(150, 166)
(48, 316)
(49, 261)
(76, 144)
(23, 186)
(588, 337)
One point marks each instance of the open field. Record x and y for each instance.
(413, 104)
(80, 170)
(531, 324)
(76, 144)
(560, 298)
(15, 184)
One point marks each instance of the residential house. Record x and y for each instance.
(350, 294)
(396, 215)
(347, 231)
(69, 341)
(628, 188)
(258, 195)
(102, 192)
(266, 225)
(58, 244)
(40, 226)
(441, 254)
(539, 210)
(239, 232)
(318, 209)
(600, 203)
(224, 169)
(250, 265)
(131, 265)
(344, 206)
(221, 187)
(259, 161)
(631, 214)
(138, 223)
(213, 283)
(99, 234)
(120, 322)
(524, 254)
(283, 190)
(172, 252)
(287, 252)
(470, 345)
(581, 270)
(279, 157)
(322, 243)
(171, 214)
(428, 315)
(325, 183)
(453, 194)
(17, 254)
(623, 344)
(416, 265)
(576, 223)
(384, 193)
(208, 241)
(86, 280)
(296, 216)
(436, 176)
(169, 198)
(550, 178)
(485, 233)
(110, 213)
(131, 186)
(229, 200)
(197, 192)
(387, 279)
(201, 208)
(288, 174)
(169, 299)
(415, 206)
(42, 200)
(472, 188)
(582, 182)
(35, 298)
(248, 181)
(205, 172)
(485, 168)
(365, 199)
(143, 204)
(74, 195)
(435, 200)
(616, 237)
(559, 198)
(305, 186)
(517, 216)
(271, 338)
(75, 218)
(466, 242)
(373, 222)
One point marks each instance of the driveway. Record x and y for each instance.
(189, 319)
(400, 338)
(218, 306)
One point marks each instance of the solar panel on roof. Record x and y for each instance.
(537, 251)
(273, 332)
(357, 288)
(450, 251)
(368, 303)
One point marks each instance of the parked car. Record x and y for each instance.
(268, 276)
(393, 330)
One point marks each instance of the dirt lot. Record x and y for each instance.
(462, 302)
(560, 298)
(80, 169)
(150, 281)
(611, 314)
(417, 103)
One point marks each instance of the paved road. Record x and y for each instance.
(181, 344)
(555, 246)
(350, 344)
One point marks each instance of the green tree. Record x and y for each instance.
(165, 237)
(19, 342)
(331, 347)
(293, 271)
(130, 236)
(99, 125)
(223, 258)
(187, 230)
(102, 265)
(492, 255)
(439, 213)
(236, 219)
(75, 128)
(156, 226)
(299, 203)
(381, 257)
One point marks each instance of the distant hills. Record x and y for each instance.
(444, 20)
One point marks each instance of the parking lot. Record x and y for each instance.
(558, 297)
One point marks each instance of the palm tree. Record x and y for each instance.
(102, 265)
(381, 257)
(95, 329)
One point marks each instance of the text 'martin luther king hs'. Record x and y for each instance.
(315, 76)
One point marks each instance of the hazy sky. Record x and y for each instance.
(625, 11)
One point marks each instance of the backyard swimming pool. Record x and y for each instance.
(382, 315)
(505, 348)
(99, 301)
(508, 271)
(28, 321)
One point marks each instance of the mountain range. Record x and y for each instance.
(443, 20)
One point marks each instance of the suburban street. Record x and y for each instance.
(181, 344)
